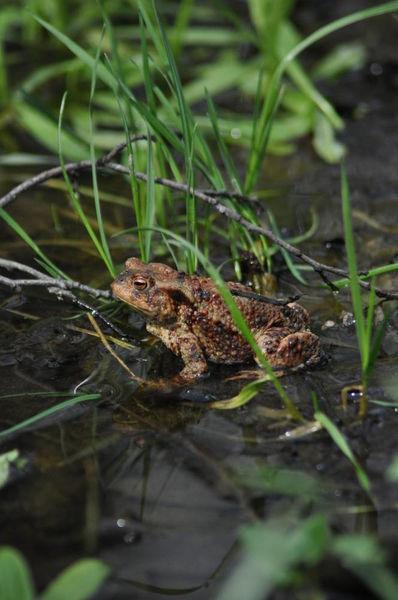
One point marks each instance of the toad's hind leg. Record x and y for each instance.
(282, 348)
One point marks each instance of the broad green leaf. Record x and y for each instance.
(80, 581)
(15, 579)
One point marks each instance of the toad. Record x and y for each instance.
(190, 317)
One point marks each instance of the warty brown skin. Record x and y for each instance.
(190, 317)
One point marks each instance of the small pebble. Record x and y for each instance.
(347, 319)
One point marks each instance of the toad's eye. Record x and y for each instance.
(140, 283)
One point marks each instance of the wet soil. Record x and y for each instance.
(155, 486)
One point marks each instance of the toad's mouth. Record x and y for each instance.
(134, 306)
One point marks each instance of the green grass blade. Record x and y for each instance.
(149, 85)
(78, 51)
(344, 282)
(190, 212)
(225, 154)
(360, 324)
(150, 206)
(370, 314)
(49, 411)
(376, 344)
(181, 26)
(97, 201)
(28, 240)
(343, 445)
(75, 200)
(288, 259)
(246, 394)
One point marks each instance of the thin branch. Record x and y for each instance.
(80, 165)
(230, 213)
(265, 299)
(46, 281)
(59, 287)
(12, 265)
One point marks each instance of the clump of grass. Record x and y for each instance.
(369, 339)
(280, 554)
(167, 114)
(262, 125)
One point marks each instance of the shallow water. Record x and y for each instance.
(156, 486)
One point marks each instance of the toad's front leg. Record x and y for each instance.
(184, 343)
(282, 348)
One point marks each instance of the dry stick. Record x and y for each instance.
(228, 212)
(58, 287)
(41, 279)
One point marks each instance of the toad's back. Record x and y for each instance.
(211, 322)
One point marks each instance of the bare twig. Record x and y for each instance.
(59, 287)
(41, 279)
(265, 299)
(106, 162)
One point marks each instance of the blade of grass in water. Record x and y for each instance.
(150, 204)
(264, 122)
(360, 324)
(343, 445)
(288, 259)
(340, 283)
(190, 212)
(50, 266)
(226, 155)
(75, 200)
(29, 394)
(49, 411)
(97, 202)
(248, 392)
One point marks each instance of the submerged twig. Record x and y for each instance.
(106, 162)
(112, 352)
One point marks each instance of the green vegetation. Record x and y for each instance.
(282, 552)
(147, 57)
(119, 70)
(79, 581)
